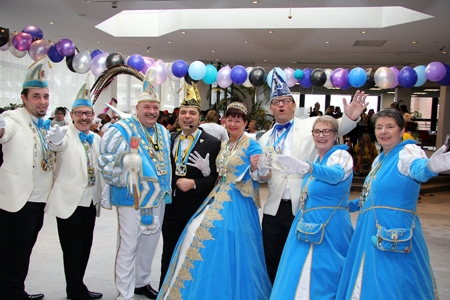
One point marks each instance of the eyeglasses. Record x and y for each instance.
(325, 132)
(81, 113)
(278, 101)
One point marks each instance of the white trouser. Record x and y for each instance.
(135, 251)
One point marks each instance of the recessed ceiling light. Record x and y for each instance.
(52, 23)
(217, 59)
(148, 51)
(444, 52)
(363, 32)
(213, 51)
(265, 60)
(327, 42)
(270, 31)
(169, 42)
(98, 42)
(246, 42)
(413, 42)
(183, 32)
(255, 1)
(138, 42)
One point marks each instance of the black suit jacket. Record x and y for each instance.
(185, 204)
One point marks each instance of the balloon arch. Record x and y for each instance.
(30, 40)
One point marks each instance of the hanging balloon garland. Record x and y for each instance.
(31, 40)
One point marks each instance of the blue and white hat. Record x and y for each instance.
(279, 87)
(35, 78)
(83, 97)
(149, 88)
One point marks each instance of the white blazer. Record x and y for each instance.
(16, 173)
(71, 175)
(303, 148)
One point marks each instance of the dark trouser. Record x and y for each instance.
(172, 229)
(18, 234)
(75, 236)
(275, 230)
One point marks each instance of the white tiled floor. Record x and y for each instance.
(46, 273)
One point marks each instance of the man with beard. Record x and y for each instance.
(75, 197)
(135, 161)
(26, 178)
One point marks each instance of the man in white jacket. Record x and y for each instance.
(290, 136)
(26, 178)
(75, 197)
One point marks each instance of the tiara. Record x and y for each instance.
(237, 105)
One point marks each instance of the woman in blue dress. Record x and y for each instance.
(220, 253)
(318, 241)
(388, 257)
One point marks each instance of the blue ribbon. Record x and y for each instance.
(86, 137)
(43, 124)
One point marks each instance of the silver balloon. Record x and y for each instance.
(38, 49)
(82, 62)
(384, 77)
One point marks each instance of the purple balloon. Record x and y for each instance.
(22, 41)
(95, 52)
(54, 55)
(223, 77)
(435, 71)
(136, 61)
(305, 82)
(446, 80)
(98, 64)
(65, 47)
(148, 62)
(396, 71)
(35, 32)
(407, 77)
(339, 78)
(238, 74)
(179, 68)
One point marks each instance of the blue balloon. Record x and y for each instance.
(280, 73)
(95, 52)
(197, 70)
(421, 78)
(298, 74)
(54, 55)
(407, 77)
(238, 74)
(211, 74)
(446, 80)
(357, 77)
(179, 68)
(305, 82)
(136, 61)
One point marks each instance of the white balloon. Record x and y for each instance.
(170, 74)
(328, 83)
(247, 82)
(81, 63)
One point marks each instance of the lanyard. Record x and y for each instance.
(183, 159)
(280, 139)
